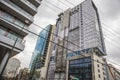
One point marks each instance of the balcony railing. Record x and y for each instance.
(38, 1)
(18, 9)
(9, 35)
(35, 2)
(29, 4)
(11, 19)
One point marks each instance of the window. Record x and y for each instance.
(99, 75)
(103, 73)
(10, 34)
(103, 69)
(2, 32)
(81, 68)
(71, 62)
(97, 60)
(98, 70)
(104, 78)
(82, 42)
(98, 65)
(54, 46)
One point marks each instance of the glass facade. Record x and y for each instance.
(85, 31)
(79, 52)
(80, 69)
(39, 55)
(10, 34)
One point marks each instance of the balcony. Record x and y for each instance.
(8, 43)
(12, 23)
(26, 5)
(35, 2)
(16, 11)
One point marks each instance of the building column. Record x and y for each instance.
(3, 63)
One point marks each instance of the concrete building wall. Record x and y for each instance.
(23, 74)
(44, 69)
(61, 51)
(12, 67)
(42, 53)
(3, 61)
(81, 27)
(51, 65)
(98, 69)
(14, 16)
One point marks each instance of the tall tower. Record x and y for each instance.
(42, 52)
(14, 16)
(38, 57)
(85, 55)
(85, 28)
(61, 51)
(80, 39)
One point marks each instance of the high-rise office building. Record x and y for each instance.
(80, 38)
(85, 32)
(42, 52)
(14, 16)
(51, 65)
(85, 28)
(39, 50)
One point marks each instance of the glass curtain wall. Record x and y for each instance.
(40, 48)
(80, 69)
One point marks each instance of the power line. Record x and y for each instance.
(63, 3)
(70, 3)
(109, 31)
(104, 23)
(103, 27)
(112, 42)
(115, 41)
(51, 4)
(54, 5)
(53, 41)
(92, 16)
(101, 21)
(10, 52)
(87, 17)
(109, 28)
(113, 62)
(53, 10)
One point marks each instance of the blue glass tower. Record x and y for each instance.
(39, 56)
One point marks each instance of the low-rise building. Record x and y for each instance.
(23, 74)
(11, 69)
(86, 65)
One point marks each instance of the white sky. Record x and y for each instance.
(109, 13)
